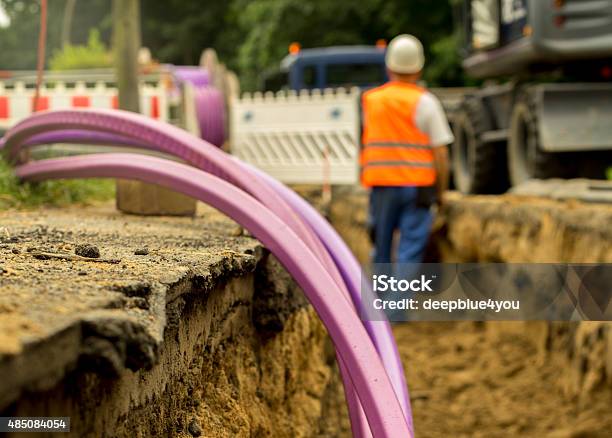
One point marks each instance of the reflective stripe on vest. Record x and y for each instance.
(395, 151)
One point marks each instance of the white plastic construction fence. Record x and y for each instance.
(17, 98)
(306, 138)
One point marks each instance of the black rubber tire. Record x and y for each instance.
(526, 159)
(478, 166)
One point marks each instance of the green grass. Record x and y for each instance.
(609, 173)
(14, 194)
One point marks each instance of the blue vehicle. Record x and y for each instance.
(328, 67)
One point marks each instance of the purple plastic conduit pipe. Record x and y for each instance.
(384, 414)
(358, 421)
(78, 136)
(379, 330)
(349, 267)
(341, 254)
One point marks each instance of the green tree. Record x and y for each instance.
(250, 36)
(19, 40)
(177, 31)
(253, 35)
(92, 55)
(270, 26)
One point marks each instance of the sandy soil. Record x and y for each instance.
(470, 380)
(467, 380)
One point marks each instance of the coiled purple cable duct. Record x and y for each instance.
(382, 409)
(211, 114)
(380, 331)
(196, 76)
(342, 256)
(358, 421)
(360, 426)
(209, 103)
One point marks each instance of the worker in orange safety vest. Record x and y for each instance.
(404, 159)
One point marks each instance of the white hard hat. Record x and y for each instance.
(405, 55)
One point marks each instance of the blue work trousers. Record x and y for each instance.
(394, 208)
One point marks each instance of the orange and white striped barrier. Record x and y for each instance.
(16, 100)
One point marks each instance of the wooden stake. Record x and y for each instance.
(132, 196)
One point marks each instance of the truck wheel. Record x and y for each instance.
(476, 163)
(526, 159)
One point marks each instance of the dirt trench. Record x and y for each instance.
(504, 379)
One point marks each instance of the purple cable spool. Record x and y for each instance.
(209, 103)
(210, 112)
(196, 76)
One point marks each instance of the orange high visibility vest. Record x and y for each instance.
(395, 152)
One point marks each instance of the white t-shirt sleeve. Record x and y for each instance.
(431, 119)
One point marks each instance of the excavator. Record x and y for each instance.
(545, 107)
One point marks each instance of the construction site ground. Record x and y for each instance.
(187, 327)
